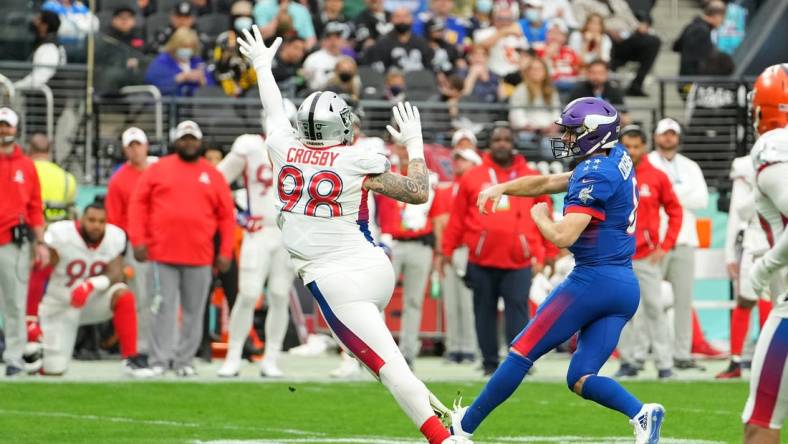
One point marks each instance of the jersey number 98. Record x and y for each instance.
(324, 189)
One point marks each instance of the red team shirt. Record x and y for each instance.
(21, 193)
(119, 192)
(656, 192)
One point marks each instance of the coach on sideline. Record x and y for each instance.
(21, 217)
(179, 203)
(502, 245)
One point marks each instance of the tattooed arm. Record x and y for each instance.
(412, 189)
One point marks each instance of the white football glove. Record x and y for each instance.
(761, 274)
(409, 122)
(253, 48)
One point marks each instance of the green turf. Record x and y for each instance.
(128, 412)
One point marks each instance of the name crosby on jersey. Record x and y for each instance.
(311, 157)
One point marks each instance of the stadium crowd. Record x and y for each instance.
(534, 55)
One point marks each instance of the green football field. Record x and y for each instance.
(346, 412)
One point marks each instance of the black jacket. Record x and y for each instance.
(694, 44)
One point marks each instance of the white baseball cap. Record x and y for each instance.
(667, 124)
(468, 154)
(188, 128)
(463, 133)
(134, 134)
(9, 116)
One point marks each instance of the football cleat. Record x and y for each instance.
(269, 369)
(456, 415)
(33, 357)
(229, 369)
(648, 423)
(732, 372)
(137, 367)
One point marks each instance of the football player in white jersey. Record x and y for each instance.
(767, 405)
(86, 287)
(322, 185)
(263, 256)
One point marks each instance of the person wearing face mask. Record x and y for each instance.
(48, 55)
(345, 80)
(179, 70)
(178, 205)
(319, 65)
(371, 23)
(481, 16)
(400, 48)
(446, 56)
(534, 24)
(230, 69)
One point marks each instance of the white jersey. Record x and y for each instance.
(770, 160)
(324, 213)
(76, 260)
(743, 207)
(248, 158)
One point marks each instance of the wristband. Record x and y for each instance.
(100, 282)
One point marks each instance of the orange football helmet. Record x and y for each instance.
(770, 98)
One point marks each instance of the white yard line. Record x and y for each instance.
(507, 439)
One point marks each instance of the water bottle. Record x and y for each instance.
(435, 285)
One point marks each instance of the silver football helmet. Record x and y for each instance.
(324, 119)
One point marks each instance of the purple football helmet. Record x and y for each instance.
(595, 124)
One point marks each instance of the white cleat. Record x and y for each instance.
(269, 369)
(648, 423)
(349, 368)
(457, 440)
(456, 415)
(229, 369)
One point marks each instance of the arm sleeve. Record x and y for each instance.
(673, 209)
(692, 192)
(232, 165)
(587, 194)
(738, 193)
(452, 235)
(139, 210)
(45, 61)
(35, 208)
(225, 213)
(271, 98)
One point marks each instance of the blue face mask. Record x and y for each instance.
(184, 54)
(484, 6)
(242, 23)
(533, 15)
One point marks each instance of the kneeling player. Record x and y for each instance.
(87, 287)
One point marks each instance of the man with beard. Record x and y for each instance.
(87, 287)
(179, 203)
(400, 48)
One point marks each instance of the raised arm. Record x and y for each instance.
(261, 56)
(413, 188)
(529, 186)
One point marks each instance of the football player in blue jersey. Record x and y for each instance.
(601, 294)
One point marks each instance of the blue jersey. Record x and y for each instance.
(605, 188)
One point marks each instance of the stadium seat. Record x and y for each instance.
(372, 81)
(105, 19)
(110, 5)
(421, 84)
(213, 24)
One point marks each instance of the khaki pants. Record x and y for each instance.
(14, 274)
(413, 259)
(458, 306)
(678, 268)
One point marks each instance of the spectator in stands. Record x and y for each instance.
(445, 57)
(400, 48)
(678, 267)
(481, 16)
(562, 60)
(20, 205)
(47, 55)
(456, 29)
(534, 107)
(179, 70)
(76, 22)
(58, 186)
(345, 79)
(503, 40)
(182, 16)
(633, 40)
(395, 87)
(560, 10)
(597, 85)
(270, 15)
(118, 201)
(319, 65)
(591, 42)
(331, 12)
(146, 7)
(534, 24)
(119, 50)
(450, 94)
(288, 61)
(695, 42)
(457, 297)
(179, 203)
(213, 154)
(372, 23)
(231, 69)
(649, 326)
(497, 266)
(480, 82)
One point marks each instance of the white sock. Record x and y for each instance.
(276, 322)
(411, 394)
(241, 318)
